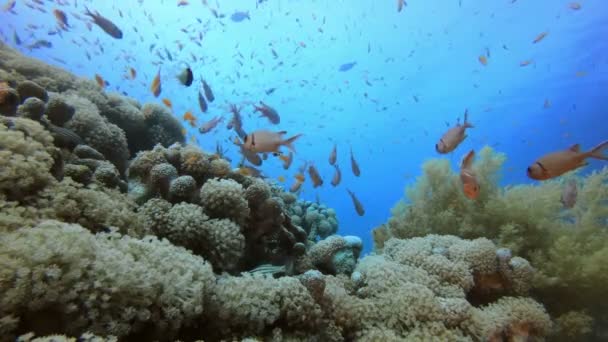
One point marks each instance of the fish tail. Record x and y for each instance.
(598, 151)
(289, 142)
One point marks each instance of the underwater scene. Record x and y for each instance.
(291, 170)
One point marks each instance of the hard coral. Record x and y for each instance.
(224, 198)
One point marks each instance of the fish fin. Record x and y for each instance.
(575, 148)
(598, 151)
(289, 142)
(467, 161)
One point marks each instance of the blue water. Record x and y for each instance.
(429, 51)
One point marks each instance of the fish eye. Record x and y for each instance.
(529, 169)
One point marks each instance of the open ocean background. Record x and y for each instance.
(416, 71)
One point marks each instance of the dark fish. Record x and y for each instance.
(105, 24)
(208, 92)
(169, 56)
(202, 103)
(358, 206)
(270, 91)
(268, 112)
(239, 16)
(40, 44)
(16, 38)
(346, 66)
(353, 164)
(186, 77)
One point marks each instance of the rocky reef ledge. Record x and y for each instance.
(111, 228)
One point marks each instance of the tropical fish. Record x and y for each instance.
(296, 186)
(239, 16)
(40, 43)
(300, 175)
(202, 103)
(353, 164)
(100, 81)
(333, 155)
(525, 63)
(105, 24)
(470, 186)
(168, 103)
(314, 176)
(483, 60)
(557, 163)
(208, 92)
(575, 6)
(268, 141)
(337, 176)
(281, 179)
(62, 19)
(156, 85)
(132, 73)
(249, 171)
(287, 160)
(182, 3)
(210, 125)
(568, 198)
(346, 66)
(185, 77)
(400, 5)
(454, 136)
(540, 37)
(268, 112)
(358, 206)
(188, 116)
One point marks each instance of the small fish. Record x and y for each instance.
(316, 179)
(540, 37)
(295, 186)
(249, 171)
(210, 125)
(358, 206)
(105, 24)
(268, 112)
(281, 179)
(575, 6)
(16, 38)
(182, 3)
(202, 103)
(132, 73)
(268, 141)
(337, 176)
(156, 85)
(569, 194)
(454, 136)
(188, 116)
(287, 160)
(525, 63)
(400, 5)
(62, 19)
(353, 164)
(239, 16)
(167, 103)
(269, 91)
(185, 77)
(557, 163)
(300, 175)
(346, 66)
(333, 156)
(208, 93)
(483, 60)
(470, 186)
(100, 81)
(547, 104)
(39, 44)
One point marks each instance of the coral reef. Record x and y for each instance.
(567, 246)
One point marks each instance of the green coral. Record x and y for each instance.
(567, 246)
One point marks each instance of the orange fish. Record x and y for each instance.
(190, 118)
(168, 103)
(287, 159)
(358, 206)
(470, 186)
(281, 179)
(483, 60)
(525, 63)
(62, 19)
(333, 155)
(295, 186)
(314, 176)
(557, 163)
(454, 136)
(100, 81)
(575, 6)
(540, 37)
(156, 85)
(300, 177)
